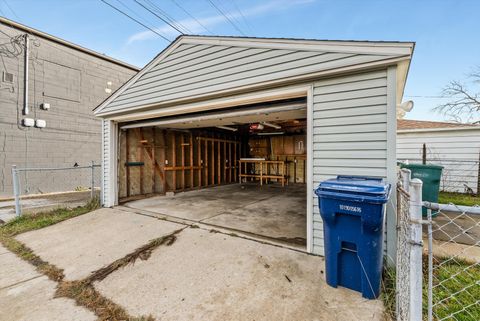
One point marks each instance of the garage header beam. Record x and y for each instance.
(218, 115)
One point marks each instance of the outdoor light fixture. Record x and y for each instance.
(404, 108)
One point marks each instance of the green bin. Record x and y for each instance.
(430, 175)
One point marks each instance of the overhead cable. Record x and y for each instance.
(137, 21)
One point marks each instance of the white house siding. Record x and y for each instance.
(199, 69)
(456, 149)
(349, 132)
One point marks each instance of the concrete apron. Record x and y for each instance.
(213, 276)
(204, 275)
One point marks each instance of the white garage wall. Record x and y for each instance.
(349, 132)
(457, 150)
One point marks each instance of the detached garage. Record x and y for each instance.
(237, 132)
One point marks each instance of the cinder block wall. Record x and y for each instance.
(73, 83)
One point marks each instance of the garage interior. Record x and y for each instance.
(242, 168)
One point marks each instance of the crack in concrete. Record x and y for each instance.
(262, 239)
(142, 253)
(20, 282)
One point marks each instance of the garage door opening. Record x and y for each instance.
(241, 168)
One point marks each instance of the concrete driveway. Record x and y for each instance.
(203, 275)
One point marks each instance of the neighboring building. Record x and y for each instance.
(173, 126)
(65, 83)
(452, 145)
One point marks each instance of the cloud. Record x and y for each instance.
(211, 21)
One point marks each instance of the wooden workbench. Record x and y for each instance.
(267, 169)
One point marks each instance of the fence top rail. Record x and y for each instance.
(32, 169)
(452, 208)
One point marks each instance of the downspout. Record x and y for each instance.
(25, 76)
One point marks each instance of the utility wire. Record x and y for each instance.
(137, 21)
(232, 14)
(191, 16)
(167, 16)
(243, 16)
(11, 9)
(160, 17)
(223, 14)
(139, 17)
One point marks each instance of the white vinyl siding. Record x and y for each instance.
(196, 70)
(349, 132)
(109, 163)
(105, 161)
(456, 150)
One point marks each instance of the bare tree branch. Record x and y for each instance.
(464, 104)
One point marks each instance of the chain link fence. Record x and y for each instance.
(438, 266)
(403, 253)
(453, 282)
(457, 176)
(41, 188)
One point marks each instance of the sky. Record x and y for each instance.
(446, 32)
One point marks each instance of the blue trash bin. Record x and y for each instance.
(353, 210)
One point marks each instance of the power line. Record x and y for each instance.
(243, 16)
(139, 22)
(11, 9)
(140, 17)
(223, 14)
(160, 17)
(167, 16)
(191, 16)
(421, 96)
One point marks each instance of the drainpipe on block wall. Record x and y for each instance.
(25, 76)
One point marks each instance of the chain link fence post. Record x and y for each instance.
(416, 250)
(16, 190)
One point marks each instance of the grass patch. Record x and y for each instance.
(456, 290)
(455, 293)
(458, 199)
(388, 295)
(32, 222)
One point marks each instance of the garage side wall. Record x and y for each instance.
(349, 132)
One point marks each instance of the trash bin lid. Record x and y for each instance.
(356, 188)
(421, 166)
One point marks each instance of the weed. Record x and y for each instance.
(388, 295)
(84, 293)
